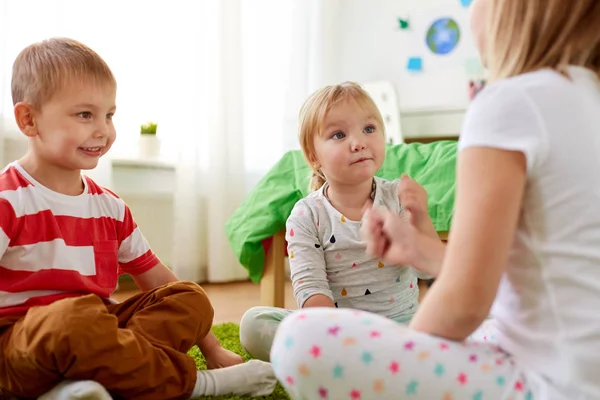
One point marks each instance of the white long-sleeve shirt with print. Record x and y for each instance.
(328, 256)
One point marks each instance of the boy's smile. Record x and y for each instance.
(68, 133)
(93, 151)
(75, 128)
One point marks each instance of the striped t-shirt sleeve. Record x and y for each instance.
(7, 219)
(135, 255)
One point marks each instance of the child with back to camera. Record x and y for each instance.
(343, 139)
(525, 238)
(63, 242)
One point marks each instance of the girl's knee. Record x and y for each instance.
(302, 326)
(261, 318)
(248, 329)
(256, 332)
(299, 324)
(297, 346)
(248, 321)
(256, 315)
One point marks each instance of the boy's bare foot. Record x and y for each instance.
(220, 357)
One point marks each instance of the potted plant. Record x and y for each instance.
(149, 143)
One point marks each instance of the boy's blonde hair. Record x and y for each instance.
(42, 69)
(528, 35)
(315, 110)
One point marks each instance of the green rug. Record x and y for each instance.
(229, 336)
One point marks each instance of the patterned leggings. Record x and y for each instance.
(346, 354)
(259, 324)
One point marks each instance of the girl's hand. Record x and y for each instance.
(372, 230)
(413, 199)
(401, 239)
(389, 236)
(407, 245)
(394, 240)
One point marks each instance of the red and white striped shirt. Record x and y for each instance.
(54, 246)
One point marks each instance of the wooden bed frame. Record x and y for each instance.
(272, 283)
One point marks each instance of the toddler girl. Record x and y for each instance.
(343, 140)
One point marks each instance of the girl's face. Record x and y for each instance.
(351, 148)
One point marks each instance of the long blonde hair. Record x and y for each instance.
(313, 114)
(528, 35)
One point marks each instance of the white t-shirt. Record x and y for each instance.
(548, 303)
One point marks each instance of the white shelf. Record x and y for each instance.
(423, 123)
(145, 163)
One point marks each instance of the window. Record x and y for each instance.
(156, 50)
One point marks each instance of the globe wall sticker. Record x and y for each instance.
(443, 36)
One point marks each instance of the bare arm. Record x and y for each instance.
(7, 219)
(490, 186)
(413, 198)
(134, 251)
(407, 239)
(430, 254)
(398, 241)
(318, 300)
(156, 276)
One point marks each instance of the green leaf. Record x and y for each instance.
(149, 128)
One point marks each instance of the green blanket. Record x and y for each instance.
(267, 207)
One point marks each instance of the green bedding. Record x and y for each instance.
(267, 207)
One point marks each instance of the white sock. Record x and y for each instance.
(253, 378)
(77, 390)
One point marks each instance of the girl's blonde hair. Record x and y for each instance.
(313, 114)
(528, 35)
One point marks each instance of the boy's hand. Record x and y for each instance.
(413, 199)
(220, 357)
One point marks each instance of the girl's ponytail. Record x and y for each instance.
(316, 181)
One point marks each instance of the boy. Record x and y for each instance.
(63, 242)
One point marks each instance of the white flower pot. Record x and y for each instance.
(149, 146)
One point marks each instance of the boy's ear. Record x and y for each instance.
(24, 115)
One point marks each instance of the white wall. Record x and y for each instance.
(372, 47)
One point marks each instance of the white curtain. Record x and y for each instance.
(315, 52)
(273, 54)
(224, 79)
(210, 172)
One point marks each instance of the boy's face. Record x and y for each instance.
(351, 148)
(74, 128)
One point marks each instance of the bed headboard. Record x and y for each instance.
(386, 99)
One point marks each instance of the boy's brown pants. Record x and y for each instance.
(135, 349)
